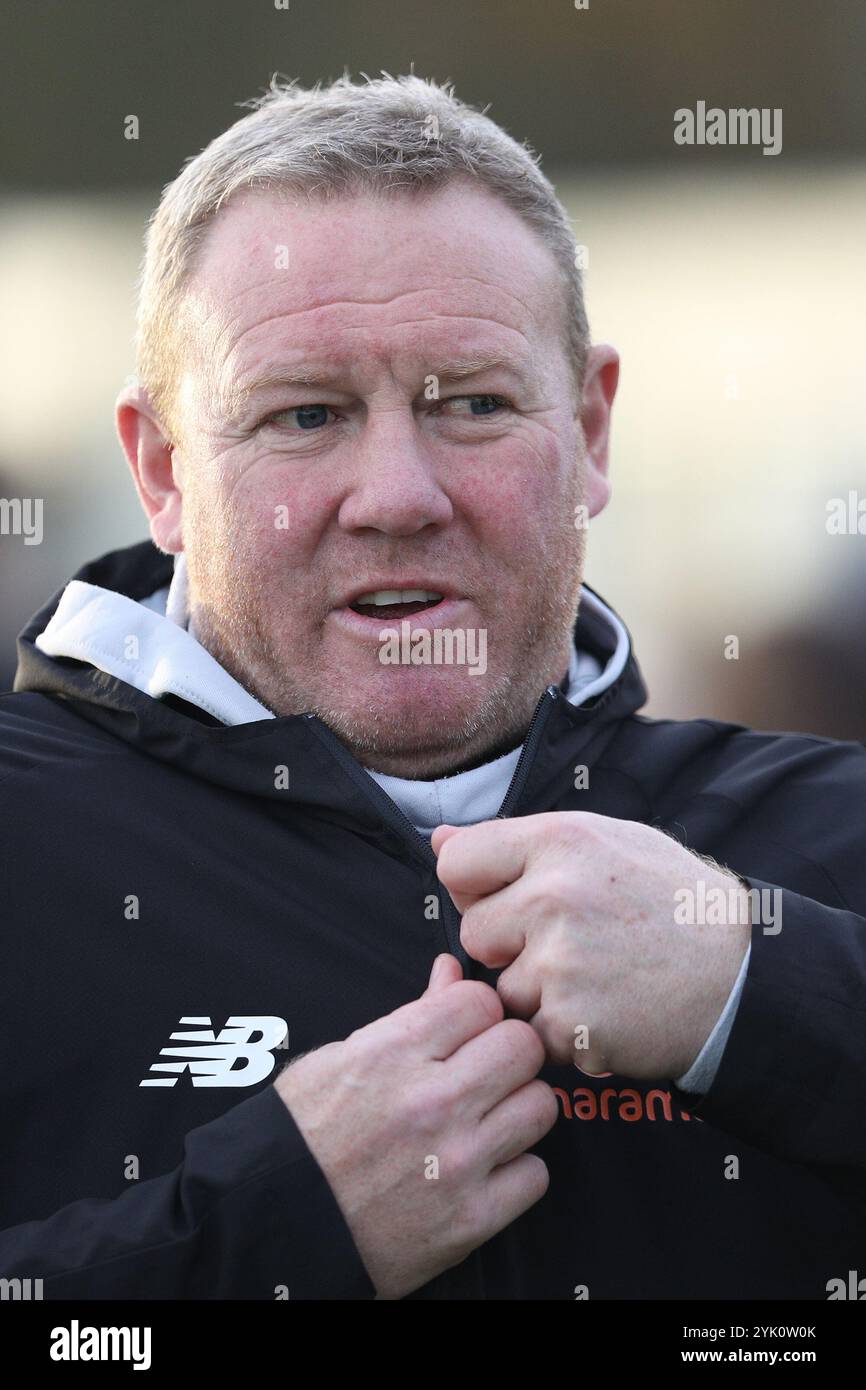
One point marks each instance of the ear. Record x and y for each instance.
(150, 455)
(599, 389)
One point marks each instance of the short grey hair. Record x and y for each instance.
(403, 133)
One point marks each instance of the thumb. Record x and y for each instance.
(442, 833)
(447, 970)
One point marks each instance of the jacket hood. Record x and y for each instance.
(244, 754)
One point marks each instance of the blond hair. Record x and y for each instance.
(403, 133)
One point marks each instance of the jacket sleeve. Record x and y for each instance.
(792, 1077)
(248, 1212)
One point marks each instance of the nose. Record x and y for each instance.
(394, 488)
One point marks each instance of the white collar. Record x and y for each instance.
(149, 645)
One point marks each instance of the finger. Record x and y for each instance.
(446, 971)
(518, 1122)
(452, 1016)
(442, 833)
(493, 929)
(463, 901)
(513, 1188)
(563, 1043)
(519, 989)
(481, 859)
(435, 1025)
(491, 1065)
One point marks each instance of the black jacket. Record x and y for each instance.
(308, 905)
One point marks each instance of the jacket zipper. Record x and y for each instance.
(528, 751)
(468, 1275)
(392, 813)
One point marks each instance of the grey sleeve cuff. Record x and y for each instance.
(701, 1074)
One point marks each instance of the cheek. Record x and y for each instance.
(276, 519)
(521, 496)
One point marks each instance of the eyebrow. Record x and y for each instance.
(238, 395)
(456, 368)
(452, 369)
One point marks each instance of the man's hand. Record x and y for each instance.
(421, 1121)
(578, 910)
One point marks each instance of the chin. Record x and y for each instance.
(407, 723)
(428, 731)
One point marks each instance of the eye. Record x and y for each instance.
(309, 417)
(489, 404)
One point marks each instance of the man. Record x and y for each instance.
(257, 770)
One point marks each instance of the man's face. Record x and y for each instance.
(394, 469)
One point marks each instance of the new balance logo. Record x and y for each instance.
(229, 1058)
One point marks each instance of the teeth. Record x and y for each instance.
(383, 596)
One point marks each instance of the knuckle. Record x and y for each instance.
(546, 1107)
(477, 998)
(475, 933)
(426, 1108)
(557, 944)
(584, 825)
(537, 895)
(459, 1164)
(404, 1025)
(537, 1176)
(533, 1044)
(387, 1048)
(524, 1039)
(560, 885)
(469, 1217)
(549, 891)
(507, 994)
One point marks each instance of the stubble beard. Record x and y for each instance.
(446, 745)
(228, 623)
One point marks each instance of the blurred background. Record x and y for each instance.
(732, 283)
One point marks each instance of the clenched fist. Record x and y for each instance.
(580, 913)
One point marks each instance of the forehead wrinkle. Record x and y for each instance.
(347, 303)
(453, 367)
(210, 304)
(270, 281)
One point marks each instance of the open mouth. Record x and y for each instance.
(395, 603)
